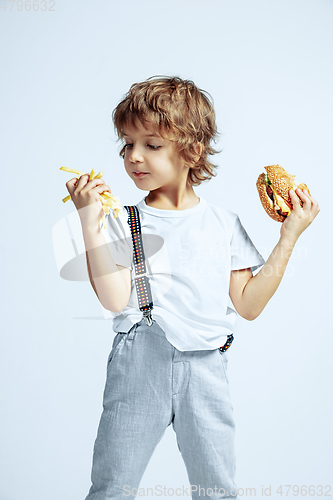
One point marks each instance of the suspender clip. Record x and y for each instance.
(147, 317)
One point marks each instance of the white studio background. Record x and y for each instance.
(268, 66)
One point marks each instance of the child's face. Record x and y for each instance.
(157, 157)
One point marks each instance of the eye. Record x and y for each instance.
(127, 145)
(155, 148)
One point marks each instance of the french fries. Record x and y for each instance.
(108, 200)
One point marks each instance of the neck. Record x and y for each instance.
(175, 200)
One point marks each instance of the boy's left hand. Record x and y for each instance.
(300, 217)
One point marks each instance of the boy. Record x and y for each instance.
(201, 264)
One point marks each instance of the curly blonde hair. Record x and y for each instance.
(177, 107)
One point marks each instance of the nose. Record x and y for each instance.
(135, 156)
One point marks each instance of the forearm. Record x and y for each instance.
(105, 278)
(260, 288)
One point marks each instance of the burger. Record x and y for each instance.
(273, 188)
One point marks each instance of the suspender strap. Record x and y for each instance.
(141, 277)
(142, 284)
(228, 343)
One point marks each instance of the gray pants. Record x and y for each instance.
(151, 384)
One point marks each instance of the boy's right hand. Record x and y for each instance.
(85, 196)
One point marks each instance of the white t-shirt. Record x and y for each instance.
(189, 255)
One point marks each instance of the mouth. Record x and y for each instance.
(139, 175)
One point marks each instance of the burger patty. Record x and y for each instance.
(269, 192)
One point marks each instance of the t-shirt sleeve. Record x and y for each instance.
(243, 252)
(118, 238)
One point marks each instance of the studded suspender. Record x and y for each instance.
(142, 284)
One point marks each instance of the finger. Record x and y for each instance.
(107, 191)
(303, 195)
(100, 188)
(295, 200)
(292, 195)
(71, 185)
(314, 202)
(94, 183)
(314, 205)
(82, 182)
(308, 201)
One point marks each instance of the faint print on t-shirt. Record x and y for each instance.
(70, 253)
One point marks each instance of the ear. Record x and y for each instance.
(197, 146)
